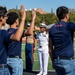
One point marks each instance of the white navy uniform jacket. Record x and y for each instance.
(42, 41)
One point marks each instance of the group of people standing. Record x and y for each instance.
(11, 40)
(31, 42)
(58, 42)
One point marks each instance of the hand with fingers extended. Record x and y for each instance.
(23, 12)
(33, 14)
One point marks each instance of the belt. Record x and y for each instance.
(14, 57)
(3, 66)
(64, 58)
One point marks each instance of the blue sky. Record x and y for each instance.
(46, 5)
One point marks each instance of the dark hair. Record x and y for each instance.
(3, 11)
(12, 17)
(61, 12)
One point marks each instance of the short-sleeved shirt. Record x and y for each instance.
(42, 40)
(14, 48)
(4, 40)
(62, 37)
(30, 39)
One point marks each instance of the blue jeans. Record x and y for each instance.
(29, 56)
(15, 66)
(4, 71)
(64, 67)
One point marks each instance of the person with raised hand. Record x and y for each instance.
(14, 47)
(30, 43)
(6, 37)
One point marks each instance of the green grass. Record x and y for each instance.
(36, 61)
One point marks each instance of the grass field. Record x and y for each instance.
(36, 62)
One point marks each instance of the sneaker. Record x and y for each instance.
(39, 73)
(44, 74)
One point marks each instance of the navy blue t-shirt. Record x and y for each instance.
(4, 39)
(14, 48)
(62, 37)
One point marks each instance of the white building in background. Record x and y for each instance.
(35, 9)
(25, 9)
(30, 9)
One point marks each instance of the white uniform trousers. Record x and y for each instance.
(43, 58)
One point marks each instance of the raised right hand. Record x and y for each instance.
(33, 14)
(23, 12)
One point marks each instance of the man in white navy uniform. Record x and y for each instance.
(42, 38)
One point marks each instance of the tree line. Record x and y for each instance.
(49, 18)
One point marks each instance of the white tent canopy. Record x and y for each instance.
(49, 26)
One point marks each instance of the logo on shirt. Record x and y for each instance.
(10, 32)
(58, 25)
